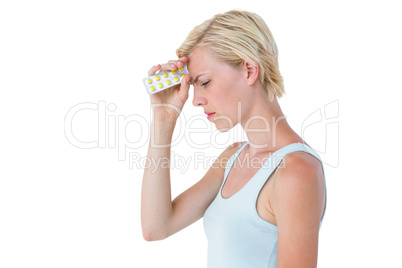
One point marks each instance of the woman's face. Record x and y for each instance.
(218, 88)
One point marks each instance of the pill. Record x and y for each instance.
(163, 80)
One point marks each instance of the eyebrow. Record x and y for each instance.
(196, 78)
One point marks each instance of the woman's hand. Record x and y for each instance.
(168, 104)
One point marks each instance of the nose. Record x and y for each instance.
(198, 98)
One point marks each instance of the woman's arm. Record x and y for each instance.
(162, 217)
(156, 206)
(298, 203)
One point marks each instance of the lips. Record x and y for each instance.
(209, 114)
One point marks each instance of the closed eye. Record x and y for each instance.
(205, 83)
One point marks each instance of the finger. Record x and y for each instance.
(173, 65)
(180, 63)
(184, 87)
(169, 66)
(183, 59)
(153, 70)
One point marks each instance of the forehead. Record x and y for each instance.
(200, 61)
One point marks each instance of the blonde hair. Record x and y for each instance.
(237, 36)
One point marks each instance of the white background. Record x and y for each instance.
(65, 206)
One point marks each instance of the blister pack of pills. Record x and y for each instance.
(163, 80)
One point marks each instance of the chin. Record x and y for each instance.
(224, 125)
(223, 130)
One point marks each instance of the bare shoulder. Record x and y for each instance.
(300, 177)
(301, 165)
(298, 202)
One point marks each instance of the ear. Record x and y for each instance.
(252, 71)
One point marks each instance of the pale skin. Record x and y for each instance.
(294, 195)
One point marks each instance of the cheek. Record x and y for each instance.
(228, 96)
(223, 99)
(226, 105)
(225, 92)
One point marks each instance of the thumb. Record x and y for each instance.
(184, 87)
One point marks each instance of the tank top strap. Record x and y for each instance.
(293, 147)
(274, 161)
(230, 162)
(276, 158)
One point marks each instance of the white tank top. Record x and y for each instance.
(237, 236)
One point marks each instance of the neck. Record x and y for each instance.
(266, 127)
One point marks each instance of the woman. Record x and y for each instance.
(263, 200)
